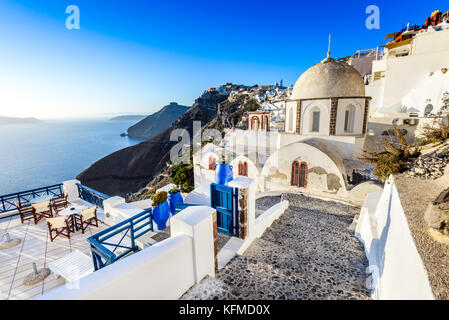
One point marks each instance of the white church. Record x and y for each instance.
(325, 127)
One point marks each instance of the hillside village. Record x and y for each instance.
(334, 188)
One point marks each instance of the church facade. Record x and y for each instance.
(325, 127)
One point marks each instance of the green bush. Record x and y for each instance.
(388, 163)
(159, 197)
(182, 175)
(174, 190)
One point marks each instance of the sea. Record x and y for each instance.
(35, 155)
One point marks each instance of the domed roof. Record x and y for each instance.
(329, 78)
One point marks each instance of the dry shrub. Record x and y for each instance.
(436, 133)
(394, 157)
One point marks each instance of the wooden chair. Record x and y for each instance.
(60, 226)
(87, 217)
(60, 203)
(25, 211)
(41, 210)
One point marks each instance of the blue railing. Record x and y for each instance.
(8, 202)
(91, 195)
(181, 206)
(104, 248)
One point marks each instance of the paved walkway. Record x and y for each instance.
(308, 253)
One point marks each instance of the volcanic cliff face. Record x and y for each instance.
(129, 169)
(157, 122)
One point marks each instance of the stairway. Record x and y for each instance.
(308, 253)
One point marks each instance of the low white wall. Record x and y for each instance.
(396, 266)
(162, 271)
(265, 220)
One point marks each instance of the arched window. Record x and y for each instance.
(299, 174)
(315, 120)
(243, 169)
(255, 123)
(211, 163)
(267, 124)
(349, 118)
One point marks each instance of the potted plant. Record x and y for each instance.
(174, 198)
(161, 211)
(223, 170)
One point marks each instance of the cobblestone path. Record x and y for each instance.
(308, 253)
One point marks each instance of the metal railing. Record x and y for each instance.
(91, 195)
(104, 247)
(181, 206)
(8, 202)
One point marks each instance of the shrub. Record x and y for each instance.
(174, 190)
(394, 158)
(182, 175)
(159, 197)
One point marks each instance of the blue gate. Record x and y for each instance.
(224, 199)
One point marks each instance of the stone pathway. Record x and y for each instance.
(308, 253)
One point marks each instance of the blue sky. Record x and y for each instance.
(135, 56)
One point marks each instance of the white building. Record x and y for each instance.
(410, 76)
(326, 120)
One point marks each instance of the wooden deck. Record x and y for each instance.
(35, 246)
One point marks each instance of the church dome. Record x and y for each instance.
(329, 79)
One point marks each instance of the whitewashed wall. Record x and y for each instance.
(397, 269)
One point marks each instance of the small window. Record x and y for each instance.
(349, 119)
(243, 169)
(316, 121)
(211, 163)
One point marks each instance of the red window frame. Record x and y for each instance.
(212, 163)
(300, 164)
(243, 169)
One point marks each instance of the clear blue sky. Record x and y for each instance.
(135, 56)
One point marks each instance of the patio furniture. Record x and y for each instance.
(73, 266)
(60, 203)
(25, 211)
(41, 210)
(59, 225)
(86, 218)
(70, 213)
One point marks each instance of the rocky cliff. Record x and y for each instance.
(157, 122)
(130, 169)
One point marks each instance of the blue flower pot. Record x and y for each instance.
(223, 173)
(161, 213)
(174, 199)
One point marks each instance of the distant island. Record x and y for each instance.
(11, 120)
(129, 117)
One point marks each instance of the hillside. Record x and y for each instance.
(157, 122)
(130, 169)
(10, 120)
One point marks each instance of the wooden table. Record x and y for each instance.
(70, 213)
